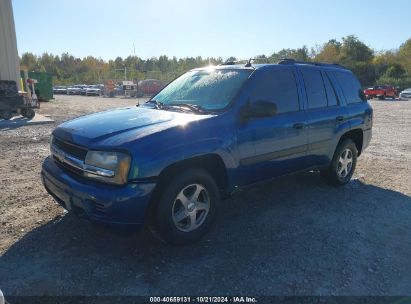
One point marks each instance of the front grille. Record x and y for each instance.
(70, 149)
(68, 167)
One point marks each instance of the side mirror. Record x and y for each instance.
(259, 109)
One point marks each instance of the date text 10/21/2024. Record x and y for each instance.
(239, 299)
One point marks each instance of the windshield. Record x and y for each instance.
(209, 89)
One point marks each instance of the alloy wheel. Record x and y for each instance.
(191, 207)
(345, 163)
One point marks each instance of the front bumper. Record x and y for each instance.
(95, 93)
(95, 201)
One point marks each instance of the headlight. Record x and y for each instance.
(110, 167)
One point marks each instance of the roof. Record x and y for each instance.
(283, 62)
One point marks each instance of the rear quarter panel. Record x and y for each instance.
(357, 116)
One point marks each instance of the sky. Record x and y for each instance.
(208, 28)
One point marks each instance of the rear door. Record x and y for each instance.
(324, 115)
(280, 142)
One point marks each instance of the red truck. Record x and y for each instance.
(380, 91)
(149, 87)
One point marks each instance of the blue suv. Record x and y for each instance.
(168, 162)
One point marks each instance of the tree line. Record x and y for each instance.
(372, 67)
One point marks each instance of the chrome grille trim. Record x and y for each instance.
(79, 164)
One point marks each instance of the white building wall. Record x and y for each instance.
(9, 59)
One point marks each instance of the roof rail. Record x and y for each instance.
(228, 63)
(293, 61)
(247, 62)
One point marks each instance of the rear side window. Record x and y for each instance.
(350, 86)
(279, 87)
(331, 96)
(314, 87)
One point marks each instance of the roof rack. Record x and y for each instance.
(228, 63)
(247, 62)
(293, 61)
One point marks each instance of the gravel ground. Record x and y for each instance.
(292, 236)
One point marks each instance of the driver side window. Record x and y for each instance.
(277, 86)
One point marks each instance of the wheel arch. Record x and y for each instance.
(212, 163)
(357, 136)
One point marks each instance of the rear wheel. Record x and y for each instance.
(342, 165)
(186, 207)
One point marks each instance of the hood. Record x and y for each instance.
(124, 123)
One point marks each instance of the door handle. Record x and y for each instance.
(298, 126)
(339, 118)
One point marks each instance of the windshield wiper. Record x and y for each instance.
(157, 104)
(192, 107)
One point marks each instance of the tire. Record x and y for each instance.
(6, 115)
(173, 216)
(28, 113)
(346, 151)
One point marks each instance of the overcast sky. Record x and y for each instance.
(240, 28)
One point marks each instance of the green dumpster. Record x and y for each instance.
(44, 85)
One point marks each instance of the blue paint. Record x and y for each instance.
(251, 150)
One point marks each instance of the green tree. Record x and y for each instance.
(352, 50)
(330, 52)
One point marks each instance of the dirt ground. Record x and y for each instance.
(292, 236)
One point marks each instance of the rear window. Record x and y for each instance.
(350, 86)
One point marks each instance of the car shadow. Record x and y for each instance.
(292, 236)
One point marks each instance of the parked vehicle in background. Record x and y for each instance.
(149, 87)
(406, 94)
(209, 132)
(74, 90)
(118, 90)
(380, 91)
(83, 89)
(60, 90)
(94, 90)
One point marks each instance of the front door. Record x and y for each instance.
(280, 142)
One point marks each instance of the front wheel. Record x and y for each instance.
(342, 165)
(186, 207)
(6, 115)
